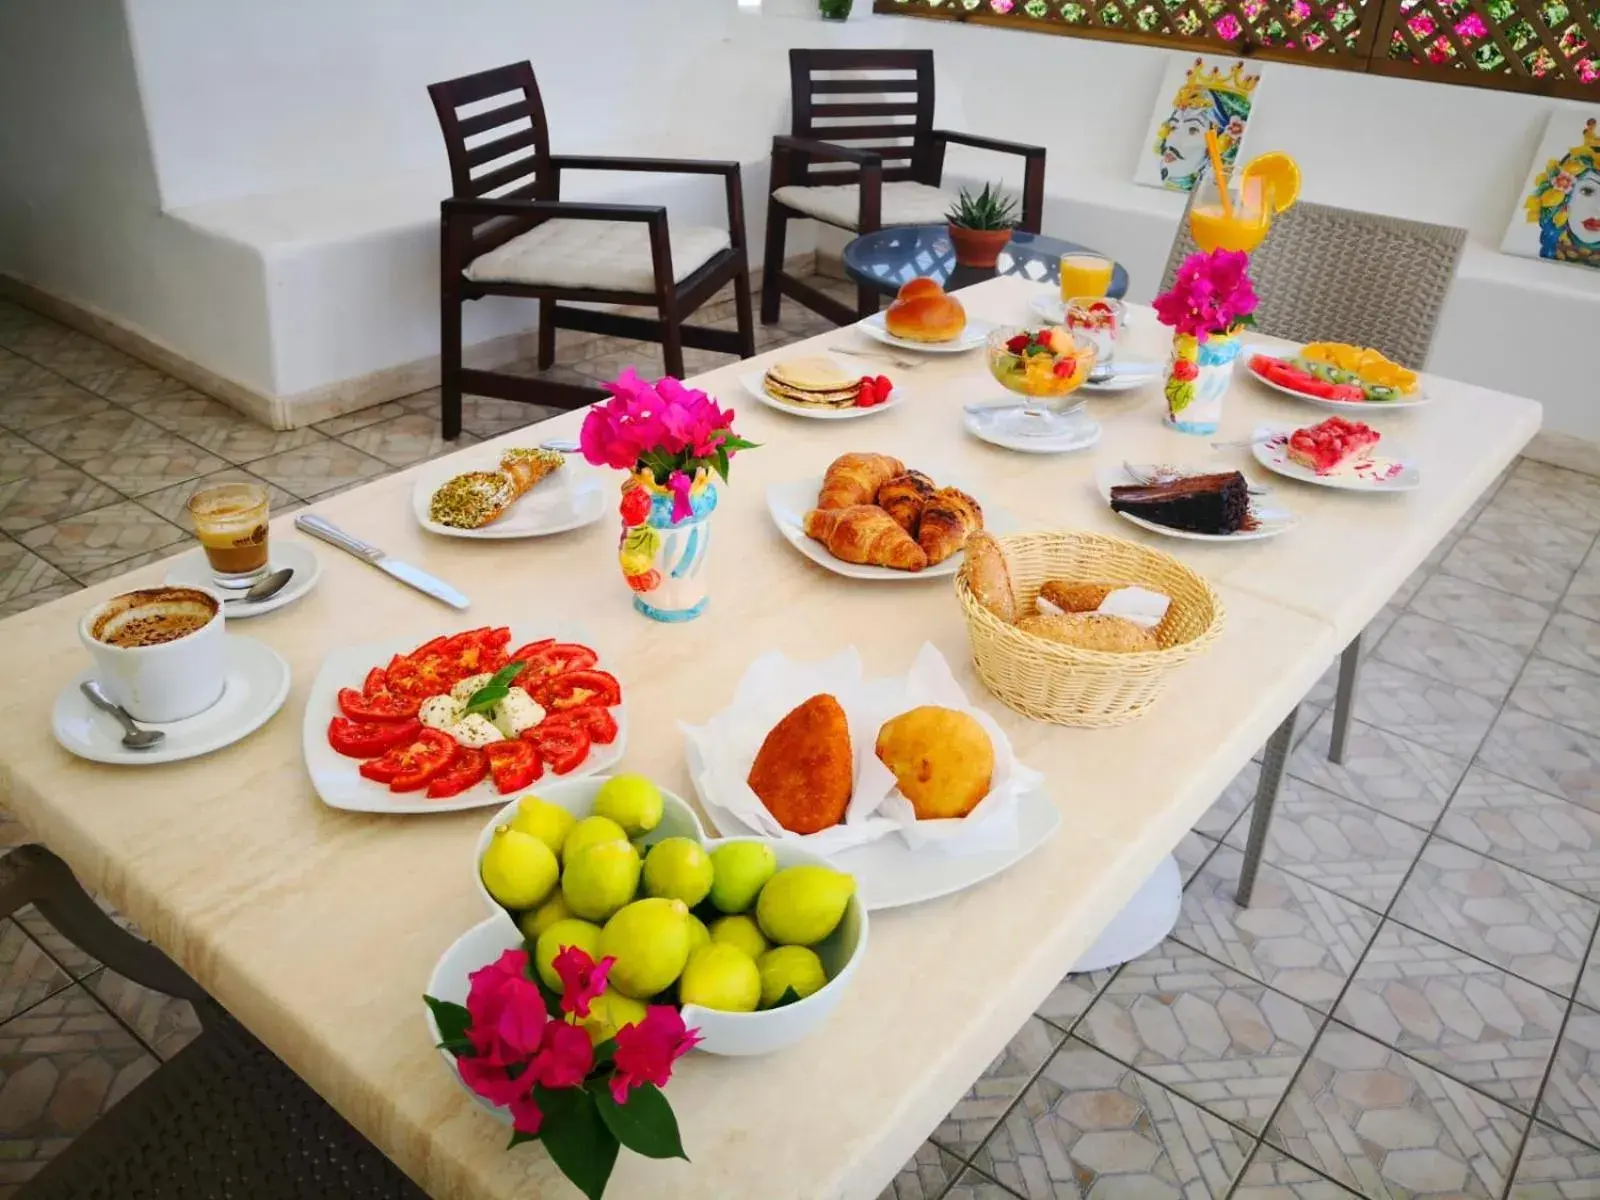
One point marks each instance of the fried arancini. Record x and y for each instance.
(804, 772)
(942, 759)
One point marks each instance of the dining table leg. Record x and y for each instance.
(1344, 699)
(1274, 761)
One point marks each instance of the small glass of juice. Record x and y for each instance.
(1085, 275)
(230, 519)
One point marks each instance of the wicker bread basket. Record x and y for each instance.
(1065, 685)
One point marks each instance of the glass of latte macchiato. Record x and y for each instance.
(230, 519)
(159, 652)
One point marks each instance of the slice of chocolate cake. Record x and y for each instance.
(1200, 503)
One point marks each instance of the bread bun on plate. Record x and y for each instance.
(922, 312)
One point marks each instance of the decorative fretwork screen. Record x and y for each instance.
(1549, 47)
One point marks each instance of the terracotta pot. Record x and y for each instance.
(978, 247)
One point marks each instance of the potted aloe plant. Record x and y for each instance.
(981, 225)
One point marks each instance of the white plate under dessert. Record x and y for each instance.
(257, 682)
(991, 425)
(789, 502)
(754, 384)
(568, 498)
(192, 570)
(1386, 467)
(970, 338)
(1268, 517)
(1415, 400)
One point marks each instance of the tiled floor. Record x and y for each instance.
(1410, 1008)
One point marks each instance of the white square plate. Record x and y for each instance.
(1388, 469)
(566, 499)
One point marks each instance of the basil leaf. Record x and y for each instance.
(496, 690)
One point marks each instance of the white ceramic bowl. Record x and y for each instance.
(577, 797)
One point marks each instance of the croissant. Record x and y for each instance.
(903, 497)
(865, 534)
(856, 478)
(949, 516)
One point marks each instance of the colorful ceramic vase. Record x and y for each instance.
(664, 560)
(1198, 374)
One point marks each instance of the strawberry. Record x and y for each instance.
(867, 396)
(1065, 367)
(885, 386)
(1019, 343)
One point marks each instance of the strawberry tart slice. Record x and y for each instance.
(1330, 445)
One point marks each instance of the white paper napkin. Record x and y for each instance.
(1139, 605)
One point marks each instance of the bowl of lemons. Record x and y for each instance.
(754, 939)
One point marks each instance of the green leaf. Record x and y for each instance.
(604, 1053)
(518, 1138)
(577, 1138)
(789, 996)
(495, 690)
(722, 463)
(644, 1124)
(453, 1022)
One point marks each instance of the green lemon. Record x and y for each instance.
(802, 905)
(679, 869)
(608, 1012)
(550, 823)
(699, 935)
(722, 977)
(518, 869)
(789, 967)
(740, 870)
(632, 801)
(600, 879)
(536, 921)
(741, 932)
(591, 831)
(650, 941)
(583, 934)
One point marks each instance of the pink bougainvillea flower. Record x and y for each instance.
(646, 1050)
(526, 1116)
(582, 979)
(564, 1059)
(680, 485)
(1211, 292)
(506, 1008)
(491, 1081)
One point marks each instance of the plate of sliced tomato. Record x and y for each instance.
(368, 749)
(1283, 374)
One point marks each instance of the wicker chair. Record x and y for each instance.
(1335, 275)
(223, 1118)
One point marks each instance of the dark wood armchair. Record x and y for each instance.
(507, 232)
(890, 172)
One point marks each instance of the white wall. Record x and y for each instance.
(293, 145)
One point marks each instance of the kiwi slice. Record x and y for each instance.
(1378, 392)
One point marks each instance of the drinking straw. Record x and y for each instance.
(1215, 150)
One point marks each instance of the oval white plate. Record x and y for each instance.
(752, 384)
(889, 873)
(973, 336)
(789, 502)
(570, 498)
(1364, 406)
(1271, 517)
(337, 778)
(1269, 451)
(1086, 433)
(193, 570)
(257, 683)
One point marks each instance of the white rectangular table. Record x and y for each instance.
(318, 928)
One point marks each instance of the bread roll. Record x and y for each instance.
(1075, 597)
(922, 285)
(925, 316)
(988, 577)
(1090, 631)
(942, 759)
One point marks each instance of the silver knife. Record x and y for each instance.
(327, 531)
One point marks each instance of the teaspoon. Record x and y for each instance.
(264, 588)
(135, 738)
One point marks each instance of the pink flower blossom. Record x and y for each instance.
(665, 426)
(680, 485)
(646, 1051)
(1300, 10)
(507, 1010)
(1235, 128)
(1472, 26)
(1211, 292)
(490, 1080)
(526, 1115)
(1562, 182)
(582, 979)
(564, 1058)
(1420, 24)
(1228, 27)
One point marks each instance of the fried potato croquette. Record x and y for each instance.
(942, 759)
(1090, 631)
(805, 771)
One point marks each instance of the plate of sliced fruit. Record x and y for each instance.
(461, 720)
(1336, 453)
(1338, 376)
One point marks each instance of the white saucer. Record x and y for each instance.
(1085, 432)
(257, 683)
(975, 334)
(192, 570)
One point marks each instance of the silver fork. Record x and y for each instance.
(1147, 478)
(900, 364)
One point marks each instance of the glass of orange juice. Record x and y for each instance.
(1240, 224)
(1085, 275)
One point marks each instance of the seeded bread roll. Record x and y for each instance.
(1090, 631)
(988, 577)
(1075, 597)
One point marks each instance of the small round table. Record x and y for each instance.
(887, 258)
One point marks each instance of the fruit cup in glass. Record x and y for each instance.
(1101, 321)
(1046, 365)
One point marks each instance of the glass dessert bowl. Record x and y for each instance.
(1046, 365)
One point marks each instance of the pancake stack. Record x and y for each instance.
(811, 383)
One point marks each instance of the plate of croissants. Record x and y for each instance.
(925, 317)
(511, 493)
(869, 517)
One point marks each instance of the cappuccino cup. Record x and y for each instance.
(158, 652)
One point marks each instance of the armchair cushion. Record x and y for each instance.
(611, 256)
(905, 202)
